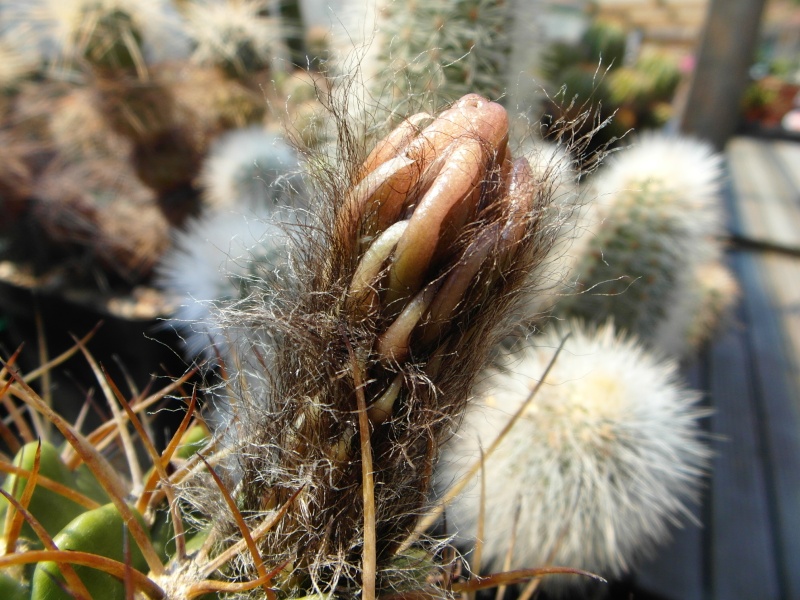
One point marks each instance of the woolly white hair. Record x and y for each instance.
(206, 268)
(247, 167)
(656, 216)
(54, 26)
(553, 165)
(220, 29)
(355, 30)
(601, 462)
(686, 170)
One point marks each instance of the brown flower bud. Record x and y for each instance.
(435, 207)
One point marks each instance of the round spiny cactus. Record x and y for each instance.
(705, 303)
(106, 34)
(73, 526)
(247, 168)
(249, 179)
(212, 262)
(99, 206)
(605, 457)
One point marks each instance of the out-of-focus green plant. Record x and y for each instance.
(593, 72)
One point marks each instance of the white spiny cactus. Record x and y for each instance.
(655, 219)
(602, 461)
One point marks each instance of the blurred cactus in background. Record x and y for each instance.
(427, 53)
(236, 36)
(635, 92)
(250, 186)
(127, 98)
(652, 232)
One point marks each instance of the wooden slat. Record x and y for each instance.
(782, 274)
(788, 156)
(779, 414)
(677, 570)
(767, 199)
(742, 559)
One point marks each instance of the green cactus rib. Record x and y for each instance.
(52, 510)
(12, 589)
(100, 531)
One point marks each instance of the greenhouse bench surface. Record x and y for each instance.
(749, 543)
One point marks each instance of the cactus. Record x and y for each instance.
(54, 511)
(60, 541)
(15, 65)
(210, 264)
(632, 92)
(103, 532)
(406, 271)
(606, 457)
(656, 219)
(700, 309)
(105, 34)
(248, 180)
(247, 168)
(100, 207)
(431, 53)
(235, 36)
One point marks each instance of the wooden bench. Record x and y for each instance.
(749, 543)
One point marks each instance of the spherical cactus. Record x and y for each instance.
(656, 215)
(607, 454)
(101, 531)
(54, 510)
(212, 263)
(61, 537)
(248, 168)
(238, 37)
(100, 207)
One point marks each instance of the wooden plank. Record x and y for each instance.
(768, 198)
(742, 558)
(747, 219)
(779, 417)
(788, 156)
(782, 274)
(676, 571)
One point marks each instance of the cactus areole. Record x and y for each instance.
(416, 271)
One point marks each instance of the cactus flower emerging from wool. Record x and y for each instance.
(419, 261)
